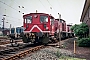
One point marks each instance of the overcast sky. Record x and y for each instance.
(70, 10)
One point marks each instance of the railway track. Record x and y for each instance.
(16, 53)
(11, 54)
(7, 41)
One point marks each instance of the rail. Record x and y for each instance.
(23, 53)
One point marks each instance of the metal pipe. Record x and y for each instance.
(74, 47)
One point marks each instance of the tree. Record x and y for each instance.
(74, 28)
(80, 30)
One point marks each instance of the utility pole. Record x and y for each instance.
(10, 28)
(59, 29)
(3, 25)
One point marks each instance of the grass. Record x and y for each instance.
(69, 58)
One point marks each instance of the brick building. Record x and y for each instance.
(85, 17)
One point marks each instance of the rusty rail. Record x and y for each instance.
(8, 42)
(23, 53)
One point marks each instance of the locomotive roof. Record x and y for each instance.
(39, 14)
(69, 25)
(61, 20)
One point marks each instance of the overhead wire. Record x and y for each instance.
(19, 6)
(59, 4)
(18, 20)
(51, 5)
(23, 6)
(14, 21)
(9, 6)
(43, 5)
(9, 21)
(13, 17)
(6, 19)
(10, 16)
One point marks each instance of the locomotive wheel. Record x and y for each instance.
(25, 39)
(36, 39)
(45, 39)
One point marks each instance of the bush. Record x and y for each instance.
(84, 42)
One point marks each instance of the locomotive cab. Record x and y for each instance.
(36, 22)
(36, 28)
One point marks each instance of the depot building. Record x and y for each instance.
(85, 17)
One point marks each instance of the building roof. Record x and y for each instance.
(85, 8)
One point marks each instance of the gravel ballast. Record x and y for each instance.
(48, 53)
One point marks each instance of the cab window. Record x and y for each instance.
(28, 19)
(43, 19)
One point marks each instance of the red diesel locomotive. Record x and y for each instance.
(42, 28)
(38, 27)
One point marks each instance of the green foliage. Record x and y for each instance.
(74, 27)
(80, 30)
(69, 58)
(84, 42)
(58, 54)
(84, 28)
